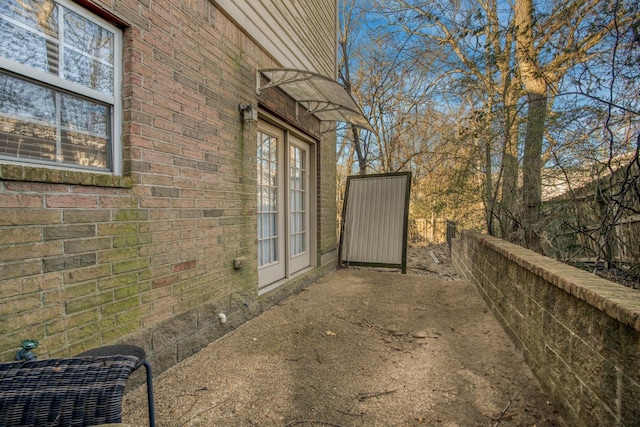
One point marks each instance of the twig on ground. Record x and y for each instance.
(364, 396)
(193, 403)
(194, 392)
(424, 268)
(203, 411)
(294, 422)
(497, 420)
(351, 414)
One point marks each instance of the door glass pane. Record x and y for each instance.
(267, 199)
(297, 195)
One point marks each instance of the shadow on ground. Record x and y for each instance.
(357, 348)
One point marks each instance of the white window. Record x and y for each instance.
(60, 77)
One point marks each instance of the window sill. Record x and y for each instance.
(59, 176)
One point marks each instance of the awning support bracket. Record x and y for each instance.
(319, 95)
(289, 75)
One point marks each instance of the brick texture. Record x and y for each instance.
(579, 334)
(148, 258)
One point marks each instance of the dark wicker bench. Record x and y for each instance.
(72, 392)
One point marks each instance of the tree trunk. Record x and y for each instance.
(510, 172)
(346, 77)
(536, 89)
(509, 92)
(362, 161)
(532, 169)
(489, 200)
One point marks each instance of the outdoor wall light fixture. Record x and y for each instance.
(249, 113)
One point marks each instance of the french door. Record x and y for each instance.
(283, 204)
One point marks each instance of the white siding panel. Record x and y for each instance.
(375, 220)
(296, 33)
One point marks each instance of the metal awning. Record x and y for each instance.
(319, 95)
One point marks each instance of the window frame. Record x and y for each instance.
(114, 147)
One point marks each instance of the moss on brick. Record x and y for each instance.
(51, 342)
(120, 228)
(25, 319)
(134, 315)
(120, 306)
(131, 240)
(20, 269)
(23, 303)
(78, 291)
(165, 192)
(79, 347)
(85, 215)
(158, 294)
(83, 332)
(73, 321)
(184, 286)
(130, 214)
(184, 306)
(117, 254)
(123, 267)
(119, 332)
(86, 245)
(126, 291)
(77, 275)
(88, 302)
(107, 323)
(186, 193)
(30, 251)
(12, 172)
(56, 176)
(117, 281)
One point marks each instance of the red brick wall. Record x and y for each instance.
(148, 258)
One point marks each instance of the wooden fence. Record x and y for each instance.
(599, 222)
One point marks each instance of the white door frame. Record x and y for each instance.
(276, 272)
(298, 250)
(270, 204)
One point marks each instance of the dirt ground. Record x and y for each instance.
(360, 347)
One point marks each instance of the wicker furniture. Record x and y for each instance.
(71, 392)
(129, 350)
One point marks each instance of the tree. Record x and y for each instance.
(513, 50)
(548, 44)
(348, 14)
(514, 80)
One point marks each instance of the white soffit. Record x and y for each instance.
(269, 29)
(319, 95)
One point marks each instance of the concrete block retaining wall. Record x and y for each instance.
(579, 334)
